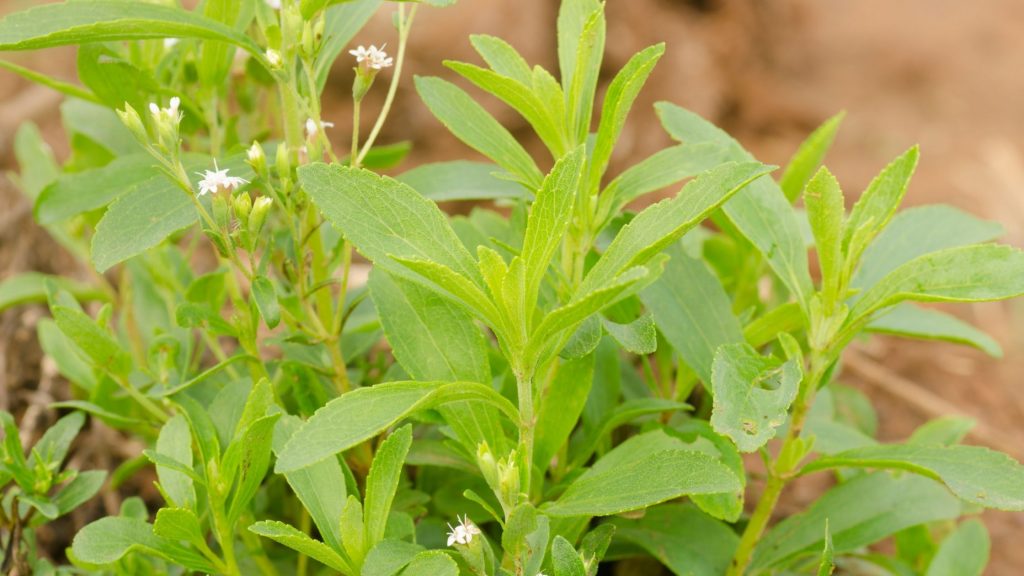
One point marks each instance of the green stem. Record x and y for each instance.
(354, 157)
(226, 540)
(404, 25)
(527, 421)
(779, 472)
(144, 401)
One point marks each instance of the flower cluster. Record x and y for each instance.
(217, 180)
(463, 532)
(372, 57)
(171, 113)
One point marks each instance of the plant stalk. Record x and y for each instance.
(527, 421)
(778, 475)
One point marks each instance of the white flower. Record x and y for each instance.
(216, 180)
(373, 57)
(171, 113)
(170, 43)
(275, 4)
(274, 58)
(312, 129)
(463, 532)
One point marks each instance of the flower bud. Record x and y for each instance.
(243, 206)
(257, 158)
(308, 39)
(221, 212)
(258, 216)
(283, 162)
(274, 59)
(131, 119)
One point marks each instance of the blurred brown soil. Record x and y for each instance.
(942, 73)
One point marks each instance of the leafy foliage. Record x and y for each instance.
(546, 383)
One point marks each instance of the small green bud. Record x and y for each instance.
(308, 39)
(221, 212)
(362, 83)
(243, 206)
(258, 216)
(283, 162)
(257, 158)
(131, 119)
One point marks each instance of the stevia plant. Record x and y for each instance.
(566, 381)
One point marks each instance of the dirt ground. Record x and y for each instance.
(942, 73)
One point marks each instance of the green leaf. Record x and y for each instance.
(572, 18)
(179, 524)
(114, 80)
(975, 474)
(561, 404)
(433, 339)
(74, 193)
(353, 535)
(859, 512)
(944, 431)
(594, 546)
(752, 394)
(912, 321)
(638, 336)
(521, 98)
(389, 557)
(37, 166)
(878, 204)
(144, 215)
(461, 180)
(246, 460)
(692, 310)
(266, 301)
(570, 316)
(549, 220)
(109, 539)
(53, 446)
(30, 287)
(810, 155)
(341, 23)
(642, 471)
(581, 30)
(665, 222)
(361, 414)
(565, 560)
(457, 288)
(918, 231)
(962, 553)
(828, 563)
(83, 21)
(681, 537)
(664, 168)
(825, 211)
(301, 542)
(100, 126)
(80, 490)
(622, 414)
(618, 101)
(468, 121)
(433, 562)
(385, 218)
(175, 442)
(968, 274)
(760, 211)
(215, 58)
(105, 352)
(385, 472)
(320, 487)
(502, 57)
